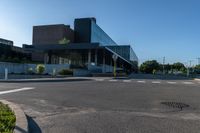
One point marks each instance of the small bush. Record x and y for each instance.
(22, 73)
(12, 73)
(40, 69)
(30, 71)
(7, 119)
(66, 72)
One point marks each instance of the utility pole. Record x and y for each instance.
(163, 65)
(190, 62)
(189, 68)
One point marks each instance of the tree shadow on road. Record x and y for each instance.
(33, 126)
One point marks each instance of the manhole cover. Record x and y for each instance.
(175, 105)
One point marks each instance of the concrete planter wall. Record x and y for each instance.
(18, 68)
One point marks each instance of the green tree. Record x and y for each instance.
(149, 66)
(2, 58)
(178, 66)
(64, 41)
(197, 69)
(16, 60)
(168, 67)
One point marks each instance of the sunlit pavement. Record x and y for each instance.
(106, 105)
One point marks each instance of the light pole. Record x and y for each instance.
(163, 65)
(114, 56)
(189, 67)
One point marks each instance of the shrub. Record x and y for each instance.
(30, 70)
(154, 71)
(40, 68)
(7, 119)
(66, 72)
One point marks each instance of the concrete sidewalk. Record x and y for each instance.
(46, 79)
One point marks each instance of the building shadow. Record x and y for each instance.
(32, 126)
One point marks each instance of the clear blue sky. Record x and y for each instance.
(154, 28)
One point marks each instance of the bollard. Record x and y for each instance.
(54, 72)
(6, 73)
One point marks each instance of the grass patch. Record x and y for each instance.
(7, 119)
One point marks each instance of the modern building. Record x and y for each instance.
(86, 46)
(11, 53)
(6, 42)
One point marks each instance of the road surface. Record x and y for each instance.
(106, 105)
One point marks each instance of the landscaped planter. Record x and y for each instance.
(7, 119)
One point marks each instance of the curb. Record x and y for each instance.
(21, 125)
(42, 80)
(197, 79)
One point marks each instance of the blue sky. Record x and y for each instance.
(154, 28)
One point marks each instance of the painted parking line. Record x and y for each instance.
(127, 81)
(156, 82)
(113, 80)
(142, 81)
(16, 90)
(171, 82)
(188, 83)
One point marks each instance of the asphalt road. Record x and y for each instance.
(108, 106)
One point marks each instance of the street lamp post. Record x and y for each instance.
(163, 65)
(6, 73)
(114, 56)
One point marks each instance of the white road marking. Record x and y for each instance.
(16, 90)
(156, 82)
(127, 81)
(113, 80)
(141, 81)
(99, 79)
(171, 82)
(188, 83)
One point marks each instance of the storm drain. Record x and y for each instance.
(177, 105)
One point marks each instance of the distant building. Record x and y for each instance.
(11, 53)
(86, 46)
(6, 42)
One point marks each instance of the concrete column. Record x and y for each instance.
(46, 58)
(111, 67)
(96, 53)
(60, 59)
(89, 57)
(104, 61)
(49, 58)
